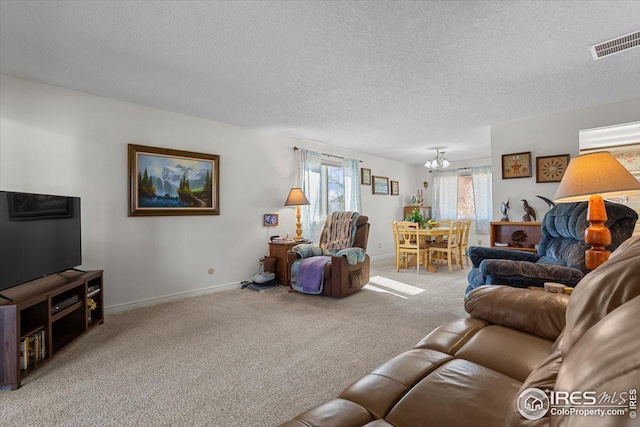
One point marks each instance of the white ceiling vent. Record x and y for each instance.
(616, 45)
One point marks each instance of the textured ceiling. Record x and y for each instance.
(393, 79)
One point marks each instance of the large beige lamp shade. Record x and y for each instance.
(592, 177)
(297, 198)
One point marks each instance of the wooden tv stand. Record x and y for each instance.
(39, 315)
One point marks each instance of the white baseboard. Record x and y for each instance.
(118, 308)
(379, 257)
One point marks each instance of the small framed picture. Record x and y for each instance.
(380, 185)
(551, 168)
(516, 165)
(395, 188)
(270, 220)
(365, 176)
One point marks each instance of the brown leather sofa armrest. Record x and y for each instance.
(538, 312)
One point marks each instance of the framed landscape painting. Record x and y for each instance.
(380, 185)
(172, 182)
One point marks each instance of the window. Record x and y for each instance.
(330, 186)
(464, 195)
(332, 177)
(466, 208)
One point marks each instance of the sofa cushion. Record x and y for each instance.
(337, 412)
(541, 313)
(458, 393)
(448, 338)
(379, 390)
(508, 351)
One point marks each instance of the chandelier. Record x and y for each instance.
(438, 162)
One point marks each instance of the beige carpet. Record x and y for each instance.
(232, 358)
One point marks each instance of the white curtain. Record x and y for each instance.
(445, 195)
(352, 197)
(311, 184)
(482, 198)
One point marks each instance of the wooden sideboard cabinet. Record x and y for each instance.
(528, 235)
(424, 210)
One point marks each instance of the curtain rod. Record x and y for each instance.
(328, 155)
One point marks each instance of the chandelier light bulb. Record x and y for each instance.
(438, 162)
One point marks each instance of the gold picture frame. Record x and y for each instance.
(166, 182)
(516, 165)
(270, 220)
(551, 168)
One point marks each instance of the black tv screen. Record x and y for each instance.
(39, 235)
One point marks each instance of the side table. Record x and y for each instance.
(279, 252)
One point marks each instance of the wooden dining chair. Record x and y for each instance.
(446, 222)
(396, 240)
(409, 243)
(464, 243)
(448, 247)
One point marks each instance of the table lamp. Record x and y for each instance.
(592, 177)
(297, 198)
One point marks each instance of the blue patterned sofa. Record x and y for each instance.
(560, 256)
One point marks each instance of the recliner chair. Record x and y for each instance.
(340, 277)
(560, 256)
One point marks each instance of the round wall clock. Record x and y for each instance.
(551, 168)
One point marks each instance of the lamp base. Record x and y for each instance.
(597, 235)
(298, 225)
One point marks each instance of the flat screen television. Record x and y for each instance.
(39, 235)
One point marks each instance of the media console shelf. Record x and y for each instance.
(45, 315)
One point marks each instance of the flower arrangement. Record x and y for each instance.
(417, 217)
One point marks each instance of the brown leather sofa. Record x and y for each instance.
(341, 278)
(472, 371)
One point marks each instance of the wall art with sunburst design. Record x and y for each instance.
(551, 168)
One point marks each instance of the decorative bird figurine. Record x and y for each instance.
(504, 208)
(550, 203)
(529, 212)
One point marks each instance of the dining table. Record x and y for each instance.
(427, 233)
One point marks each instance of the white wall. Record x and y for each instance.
(58, 141)
(546, 135)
